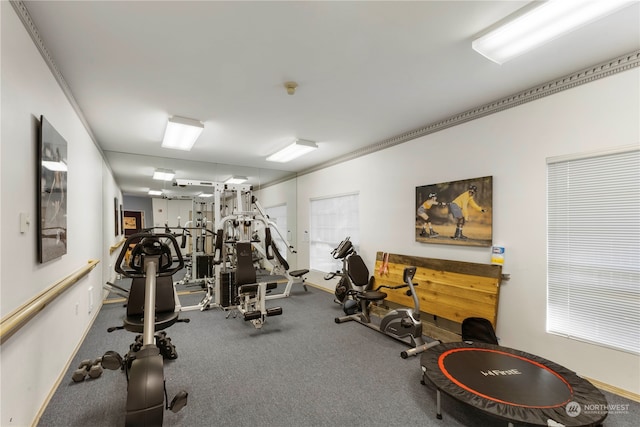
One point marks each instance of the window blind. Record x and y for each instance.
(593, 253)
(331, 220)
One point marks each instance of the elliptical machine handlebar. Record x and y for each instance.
(149, 244)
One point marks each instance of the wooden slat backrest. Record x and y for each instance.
(453, 290)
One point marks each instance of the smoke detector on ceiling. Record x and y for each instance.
(291, 87)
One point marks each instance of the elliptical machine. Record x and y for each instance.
(402, 324)
(150, 308)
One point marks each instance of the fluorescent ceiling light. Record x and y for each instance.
(236, 180)
(155, 193)
(542, 24)
(205, 195)
(182, 133)
(163, 174)
(292, 151)
(54, 166)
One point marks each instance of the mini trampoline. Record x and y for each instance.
(512, 385)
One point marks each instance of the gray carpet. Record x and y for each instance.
(300, 369)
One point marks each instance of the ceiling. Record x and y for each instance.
(367, 72)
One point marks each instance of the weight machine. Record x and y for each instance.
(198, 236)
(237, 218)
(243, 249)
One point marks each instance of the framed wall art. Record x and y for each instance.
(121, 220)
(133, 222)
(455, 213)
(116, 216)
(52, 170)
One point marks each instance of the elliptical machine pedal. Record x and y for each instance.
(150, 308)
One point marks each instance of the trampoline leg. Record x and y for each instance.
(438, 411)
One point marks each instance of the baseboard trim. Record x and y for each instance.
(615, 390)
(36, 420)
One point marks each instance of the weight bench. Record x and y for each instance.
(273, 252)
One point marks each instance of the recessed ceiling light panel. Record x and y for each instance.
(163, 174)
(550, 20)
(236, 180)
(298, 148)
(182, 133)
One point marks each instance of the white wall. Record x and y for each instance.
(512, 146)
(167, 211)
(33, 360)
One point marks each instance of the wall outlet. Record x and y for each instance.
(77, 307)
(90, 299)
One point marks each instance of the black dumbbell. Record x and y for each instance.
(167, 349)
(137, 345)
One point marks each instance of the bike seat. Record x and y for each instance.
(135, 323)
(372, 295)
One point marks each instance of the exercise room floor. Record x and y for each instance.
(300, 369)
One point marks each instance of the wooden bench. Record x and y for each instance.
(453, 290)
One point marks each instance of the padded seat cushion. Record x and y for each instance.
(252, 289)
(163, 321)
(298, 273)
(372, 295)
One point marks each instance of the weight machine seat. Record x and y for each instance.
(246, 279)
(298, 273)
(253, 288)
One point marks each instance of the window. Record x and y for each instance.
(278, 214)
(332, 219)
(593, 254)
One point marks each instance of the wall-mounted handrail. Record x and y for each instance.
(12, 322)
(113, 248)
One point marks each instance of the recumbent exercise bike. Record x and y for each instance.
(402, 324)
(150, 308)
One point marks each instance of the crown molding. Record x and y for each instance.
(23, 14)
(586, 75)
